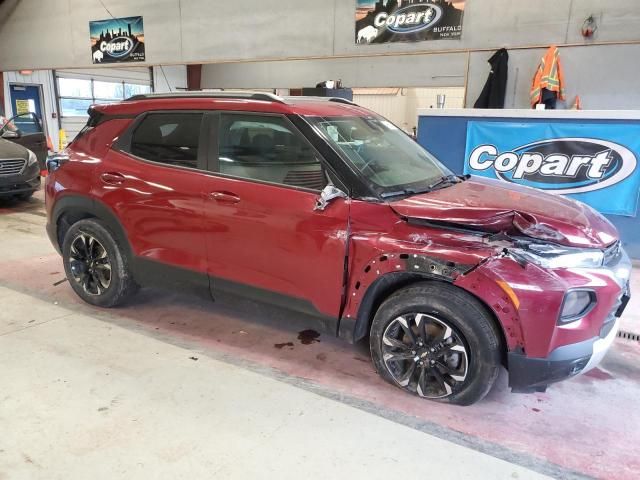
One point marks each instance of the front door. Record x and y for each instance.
(264, 238)
(26, 129)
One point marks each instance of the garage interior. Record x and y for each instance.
(171, 385)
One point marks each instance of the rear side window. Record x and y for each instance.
(267, 148)
(169, 138)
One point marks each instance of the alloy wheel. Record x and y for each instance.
(90, 264)
(425, 355)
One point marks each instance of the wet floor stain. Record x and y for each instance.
(280, 346)
(599, 374)
(307, 337)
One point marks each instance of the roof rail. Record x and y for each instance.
(320, 99)
(263, 96)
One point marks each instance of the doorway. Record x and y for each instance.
(26, 99)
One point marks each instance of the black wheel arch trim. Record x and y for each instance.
(79, 206)
(355, 329)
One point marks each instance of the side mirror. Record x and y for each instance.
(10, 134)
(328, 194)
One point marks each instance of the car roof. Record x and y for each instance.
(234, 101)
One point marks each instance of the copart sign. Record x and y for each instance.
(594, 163)
(117, 40)
(380, 21)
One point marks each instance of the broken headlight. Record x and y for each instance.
(554, 256)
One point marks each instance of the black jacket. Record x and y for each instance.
(494, 90)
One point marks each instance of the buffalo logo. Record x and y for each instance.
(413, 18)
(561, 165)
(117, 47)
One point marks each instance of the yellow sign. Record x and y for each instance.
(22, 107)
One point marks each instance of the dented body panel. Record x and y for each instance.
(341, 261)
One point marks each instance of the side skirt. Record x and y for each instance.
(155, 274)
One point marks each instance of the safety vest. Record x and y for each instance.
(548, 75)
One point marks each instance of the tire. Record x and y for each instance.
(96, 265)
(436, 341)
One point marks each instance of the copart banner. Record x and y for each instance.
(117, 40)
(594, 163)
(385, 21)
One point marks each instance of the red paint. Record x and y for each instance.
(497, 206)
(272, 239)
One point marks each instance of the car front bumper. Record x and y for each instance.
(14, 186)
(528, 374)
(535, 374)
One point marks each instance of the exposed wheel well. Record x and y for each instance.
(388, 284)
(66, 220)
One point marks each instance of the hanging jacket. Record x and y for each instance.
(548, 75)
(493, 93)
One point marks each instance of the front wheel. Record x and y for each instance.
(96, 264)
(438, 342)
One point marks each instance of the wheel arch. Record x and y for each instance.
(386, 285)
(73, 208)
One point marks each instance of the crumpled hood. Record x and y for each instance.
(496, 206)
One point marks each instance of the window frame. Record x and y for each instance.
(214, 151)
(124, 142)
(93, 99)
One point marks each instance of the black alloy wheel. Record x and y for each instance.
(90, 264)
(425, 355)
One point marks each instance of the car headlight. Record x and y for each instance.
(553, 256)
(32, 158)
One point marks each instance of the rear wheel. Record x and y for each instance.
(437, 342)
(96, 266)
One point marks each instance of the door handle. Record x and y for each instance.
(112, 178)
(224, 197)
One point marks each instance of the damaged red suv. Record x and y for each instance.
(326, 208)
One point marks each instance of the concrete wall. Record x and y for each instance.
(184, 31)
(322, 33)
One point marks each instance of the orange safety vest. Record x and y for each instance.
(548, 75)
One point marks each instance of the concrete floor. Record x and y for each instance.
(176, 387)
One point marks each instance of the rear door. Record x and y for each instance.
(26, 130)
(264, 238)
(153, 180)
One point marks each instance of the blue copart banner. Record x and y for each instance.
(594, 163)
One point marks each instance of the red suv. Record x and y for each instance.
(326, 208)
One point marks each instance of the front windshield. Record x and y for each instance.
(382, 153)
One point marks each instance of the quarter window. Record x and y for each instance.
(268, 148)
(170, 138)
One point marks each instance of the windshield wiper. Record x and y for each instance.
(399, 193)
(405, 192)
(452, 179)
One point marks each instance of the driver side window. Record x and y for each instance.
(267, 148)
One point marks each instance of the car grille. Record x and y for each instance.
(612, 254)
(12, 166)
(614, 313)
